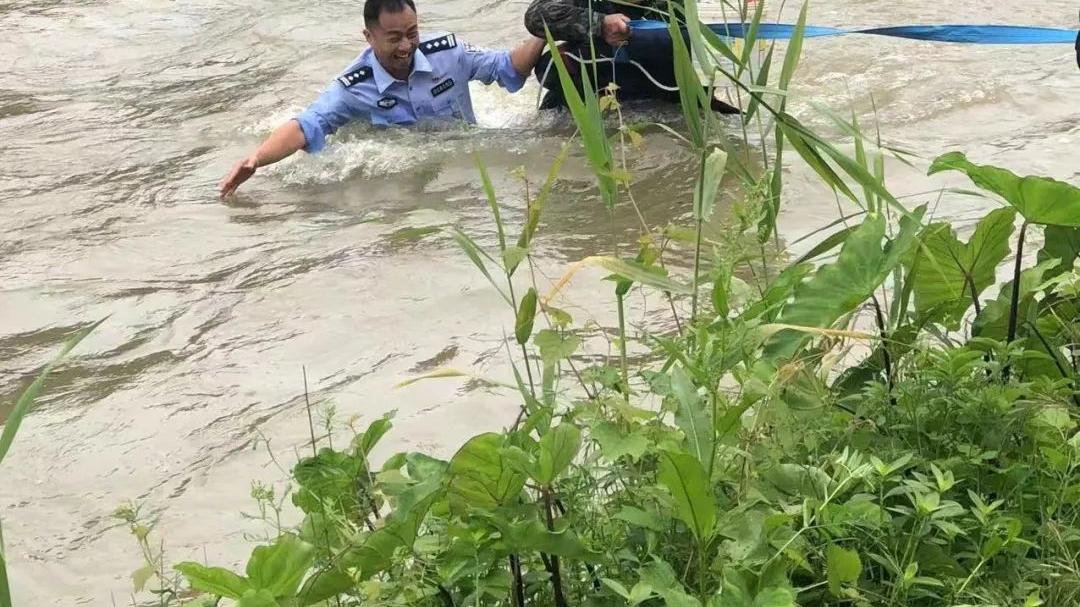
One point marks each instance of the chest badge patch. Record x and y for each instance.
(442, 87)
(387, 102)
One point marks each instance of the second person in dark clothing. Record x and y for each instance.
(583, 25)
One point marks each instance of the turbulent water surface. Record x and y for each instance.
(119, 117)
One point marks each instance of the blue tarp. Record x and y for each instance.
(965, 34)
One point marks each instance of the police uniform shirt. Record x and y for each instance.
(437, 89)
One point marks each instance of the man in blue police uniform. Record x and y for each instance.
(400, 80)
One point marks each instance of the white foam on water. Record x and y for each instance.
(504, 120)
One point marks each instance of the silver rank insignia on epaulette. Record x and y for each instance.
(438, 44)
(355, 77)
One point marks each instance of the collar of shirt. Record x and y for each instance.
(383, 79)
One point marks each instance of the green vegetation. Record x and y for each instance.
(870, 424)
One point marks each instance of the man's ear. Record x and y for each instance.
(367, 35)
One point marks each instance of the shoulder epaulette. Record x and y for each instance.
(355, 77)
(438, 44)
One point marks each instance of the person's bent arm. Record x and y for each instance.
(525, 55)
(566, 20)
(286, 140)
(509, 68)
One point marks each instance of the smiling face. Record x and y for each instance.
(394, 39)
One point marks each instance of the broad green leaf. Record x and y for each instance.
(481, 477)
(728, 422)
(512, 258)
(257, 598)
(647, 276)
(526, 314)
(615, 444)
(839, 288)
(525, 537)
(798, 479)
(617, 587)
(660, 577)
(557, 450)
(376, 552)
(555, 346)
(948, 274)
(707, 187)
(692, 417)
(561, 319)
(280, 567)
(775, 597)
(640, 518)
(214, 580)
(374, 433)
(684, 477)
(329, 481)
(993, 322)
(843, 567)
(141, 576)
(423, 467)
(640, 593)
(1060, 243)
(673, 597)
(1038, 199)
(739, 591)
(27, 399)
(322, 586)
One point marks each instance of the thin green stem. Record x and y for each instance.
(622, 348)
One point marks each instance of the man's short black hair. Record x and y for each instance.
(373, 9)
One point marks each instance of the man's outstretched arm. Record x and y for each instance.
(308, 132)
(282, 143)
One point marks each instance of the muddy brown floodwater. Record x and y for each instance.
(118, 118)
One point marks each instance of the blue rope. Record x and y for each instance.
(967, 34)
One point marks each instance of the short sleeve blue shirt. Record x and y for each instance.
(437, 89)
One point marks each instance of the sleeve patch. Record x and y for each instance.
(474, 49)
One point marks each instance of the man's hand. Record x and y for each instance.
(615, 29)
(282, 143)
(240, 173)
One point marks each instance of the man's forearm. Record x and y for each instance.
(282, 143)
(525, 55)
